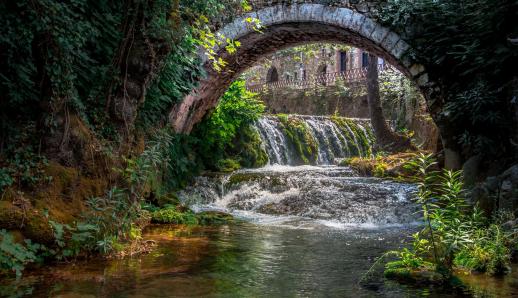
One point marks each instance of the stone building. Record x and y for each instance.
(279, 80)
(305, 62)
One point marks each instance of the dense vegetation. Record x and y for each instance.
(86, 87)
(226, 139)
(456, 235)
(471, 40)
(85, 90)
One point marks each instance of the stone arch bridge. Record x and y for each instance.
(290, 24)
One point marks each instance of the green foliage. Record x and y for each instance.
(5, 179)
(55, 54)
(238, 108)
(15, 256)
(470, 39)
(227, 165)
(456, 234)
(178, 77)
(248, 148)
(170, 215)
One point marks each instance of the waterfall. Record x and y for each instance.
(290, 140)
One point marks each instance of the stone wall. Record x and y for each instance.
(328, 100)
(331, 100)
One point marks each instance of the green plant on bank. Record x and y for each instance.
(219, 134)
(456, 235)
(14, 256)
(172, 214)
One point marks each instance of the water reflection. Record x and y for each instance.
(241, 260)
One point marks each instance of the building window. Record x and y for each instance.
(343, 61)
(272, 75)
(321, 73)
(365, 59)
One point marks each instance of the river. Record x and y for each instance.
(301, 231)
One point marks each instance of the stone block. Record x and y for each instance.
(390, 41)
(345, 18)
(278, 14)
(331, 15)
(367, 27)
(356, 22)
(266, 16)
(400, 49)
(416, 69)
(294, 12)
(317, 14)
(379, 34)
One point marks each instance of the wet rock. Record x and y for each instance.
(500, 192)
(214, 218)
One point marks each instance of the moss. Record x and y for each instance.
(249, 149)
(301, 139)
(422, 277)
(173, 216)
(214, 218)
(358, 140)
(24, 219)
(239, 178)
(228, 165)
(350, 140)
(391, 166)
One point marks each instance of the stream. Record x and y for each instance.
(301, 231)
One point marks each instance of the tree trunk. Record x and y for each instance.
(386, 139)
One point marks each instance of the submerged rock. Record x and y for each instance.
(214, 218)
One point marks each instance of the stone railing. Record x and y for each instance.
(352, 77)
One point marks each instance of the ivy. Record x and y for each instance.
(468, 44)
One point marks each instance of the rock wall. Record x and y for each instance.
(322, 101)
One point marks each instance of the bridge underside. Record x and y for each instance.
(254, 46)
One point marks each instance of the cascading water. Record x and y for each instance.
(335, 138)
(321, 193)
(331, 195)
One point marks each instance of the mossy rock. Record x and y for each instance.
(214, 218)
(242, 177)
(300, 138)
(249, 149)
(173, 216)
(414, 276)
(31, 223)
(228, 165)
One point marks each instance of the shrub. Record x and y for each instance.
(15, 256)
(456, 234)
(172, 216)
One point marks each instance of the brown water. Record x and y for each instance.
(241, 260)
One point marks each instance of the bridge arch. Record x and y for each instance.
(290, 25)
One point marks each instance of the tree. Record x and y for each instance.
(386, 139)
